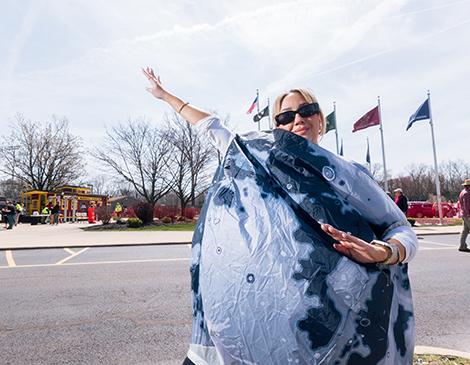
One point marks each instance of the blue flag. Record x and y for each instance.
(420, 114)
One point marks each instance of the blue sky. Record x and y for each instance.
(82, 60)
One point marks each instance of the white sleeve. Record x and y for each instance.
(407, 238)
(219, 135)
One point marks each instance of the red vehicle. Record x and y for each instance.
(429, 210)
(448, 210)
(420, 210)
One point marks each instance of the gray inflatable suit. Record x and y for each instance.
(268, 287)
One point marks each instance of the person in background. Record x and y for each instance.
(401, 200)
(91, 214)
(118, 210)
(10, 213)
(18, 208)
(55, 214)
(23, 210)
(47, 212)
(4, 219)
(464, 213)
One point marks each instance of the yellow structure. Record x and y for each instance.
(35, 200)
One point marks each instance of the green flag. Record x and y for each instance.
(330, 122)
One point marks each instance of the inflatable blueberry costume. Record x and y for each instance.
(268, 287)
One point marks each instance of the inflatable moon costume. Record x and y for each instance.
(268, 287)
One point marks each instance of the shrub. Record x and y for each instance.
(129, 213)
(104, 213)
(134, 222)
(412, 221)
(166, 211)
(167, 220)
(144, 211)
(191, 212)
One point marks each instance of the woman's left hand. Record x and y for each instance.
(355, 248)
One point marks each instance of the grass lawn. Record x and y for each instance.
(167, 227)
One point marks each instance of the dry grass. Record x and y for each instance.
(440, 360)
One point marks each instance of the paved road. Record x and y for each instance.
(440, 282)
(102, 305)
(118, 305)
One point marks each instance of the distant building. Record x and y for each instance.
(124, 200)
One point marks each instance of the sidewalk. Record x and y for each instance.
(26, 236)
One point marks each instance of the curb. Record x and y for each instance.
(427, 350)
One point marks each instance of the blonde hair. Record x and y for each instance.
(308, 96)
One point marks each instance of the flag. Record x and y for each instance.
(420, 114)
(369, 119)
(253, 105)
(368, 153)
(263, 113)
(341, 150)
(330, 122)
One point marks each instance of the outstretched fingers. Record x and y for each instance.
(351, 246)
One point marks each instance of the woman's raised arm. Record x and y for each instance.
(187, 111)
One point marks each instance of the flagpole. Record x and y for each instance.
(257, 96)
(438, 187)
(269, 117)
(383, 148)
(336, 127)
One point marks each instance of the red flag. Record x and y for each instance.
(369, 119)
(253, 105)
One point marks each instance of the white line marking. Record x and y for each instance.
(11, 262)
(71, 256)
(438, 243)
(99, 263)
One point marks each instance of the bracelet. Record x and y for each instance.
(182, 107)
(393, 254)
(399, 259)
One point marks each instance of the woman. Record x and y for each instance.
(333, 321)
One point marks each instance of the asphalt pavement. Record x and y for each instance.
(67, 235)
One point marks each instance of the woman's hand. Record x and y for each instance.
(156, 88)
(355, 248)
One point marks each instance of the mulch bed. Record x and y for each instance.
(123, 226)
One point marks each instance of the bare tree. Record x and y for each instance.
(192, 157)
(451, 176)
(418, 184)
(378, 174)
(11, 189)
(43, 156)
(137, 154)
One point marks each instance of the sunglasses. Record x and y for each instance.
(304, 111)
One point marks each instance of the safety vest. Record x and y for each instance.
(18, 207)
(45, 211)
(118, 208)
